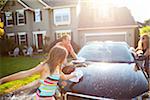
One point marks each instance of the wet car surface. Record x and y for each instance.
(110, 72)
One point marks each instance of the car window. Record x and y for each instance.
(106, 52)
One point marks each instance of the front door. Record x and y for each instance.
(40, 41)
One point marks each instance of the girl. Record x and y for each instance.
(50, 73)
(143, 47)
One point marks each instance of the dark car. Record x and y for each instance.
(111, 72)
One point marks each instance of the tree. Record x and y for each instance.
(147, 22)
(145, 30)
(1, 28)
(2, 2)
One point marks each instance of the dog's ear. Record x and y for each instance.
(68, 69)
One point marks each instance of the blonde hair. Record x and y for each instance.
(147, 39)
(65, 36)
(140, 43)
(56, 57)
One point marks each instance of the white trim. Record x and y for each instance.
(84, 96)
(46, 5)
(24, 5)
(111, 27)
(56, 7)
(36, 16)
(19, 18)
(21, 33)
(65, 6)
(104, 34)
(60, 13)
(39, 32)
(9, 25)
(35, 40)
(62, 31)
(7, 19)
(10, 34)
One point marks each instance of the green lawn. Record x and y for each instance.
(10, 65)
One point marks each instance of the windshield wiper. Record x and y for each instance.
(129, 62)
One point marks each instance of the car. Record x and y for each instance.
(111, 72)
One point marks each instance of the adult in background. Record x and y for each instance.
(64, 41)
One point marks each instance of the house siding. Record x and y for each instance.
(77, 22)
(12, 6)
(130, 34)
(72, 26)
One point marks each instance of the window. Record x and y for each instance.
(62, 16)
(9, 18)
(11, 36)
(20, 17)
(37, 15)
(59, 34)
(22, 38)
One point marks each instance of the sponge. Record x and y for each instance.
(78, 73)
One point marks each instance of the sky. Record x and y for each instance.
(140, 9)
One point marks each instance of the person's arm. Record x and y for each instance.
(139, 47)
(66, 77)
(29, 87)
(147, 53)
(22, 74)
(72, 52)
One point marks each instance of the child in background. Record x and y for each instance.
(143, 49)
(50, 71)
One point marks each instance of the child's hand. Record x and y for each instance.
(78, 74)
(64, 83)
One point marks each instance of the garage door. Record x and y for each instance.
(119, 36)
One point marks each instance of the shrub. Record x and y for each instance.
(145, 30)
(6, 45)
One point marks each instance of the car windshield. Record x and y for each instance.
(106, 52)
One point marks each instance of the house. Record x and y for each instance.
(102, 21)
(40, 22)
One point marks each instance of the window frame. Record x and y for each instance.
(9, 25)
(61, 12)
(23, 12)
(24, 40)
(59, 34)
(35, 15)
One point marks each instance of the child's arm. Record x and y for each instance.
(67, 77)
(22, 74)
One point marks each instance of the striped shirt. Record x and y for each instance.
(48, 86)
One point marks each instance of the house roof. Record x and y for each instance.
(59, 3)
(24, 5)
(33, 3)
(92, 17)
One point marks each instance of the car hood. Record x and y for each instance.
(110, 80)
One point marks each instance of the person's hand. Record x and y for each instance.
(139, 52)
(64, 83)
(77, 73)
